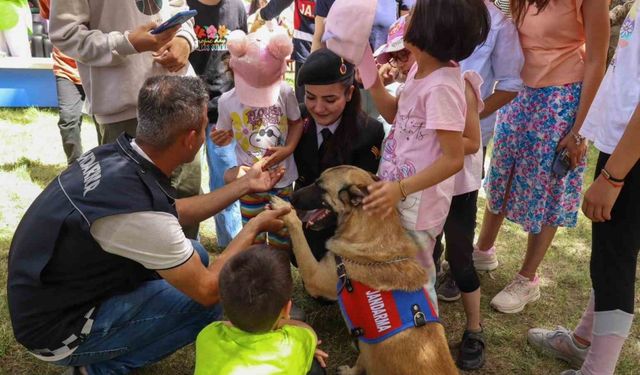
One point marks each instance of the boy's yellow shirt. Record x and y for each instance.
(225, 350)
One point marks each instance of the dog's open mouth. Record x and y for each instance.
(320, 219)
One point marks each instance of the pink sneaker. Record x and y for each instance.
(485, 260)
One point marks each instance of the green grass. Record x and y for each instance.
(31, 155)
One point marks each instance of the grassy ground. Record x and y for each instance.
(31, 155)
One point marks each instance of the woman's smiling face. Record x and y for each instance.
(326, 103)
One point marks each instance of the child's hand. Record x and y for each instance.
(275, 155)
(321, 356)
(383, 198)
(221, 137)
(388, 74)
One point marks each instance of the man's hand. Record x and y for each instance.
(260, 180)
(142, 40)
(221, 137)
(383, 198)
(576, 151)
(173, 55)
(276, 155)
(268, 220)
(599, 200)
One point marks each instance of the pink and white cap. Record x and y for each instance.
(395, 41)
(347, 29)
(258, 61)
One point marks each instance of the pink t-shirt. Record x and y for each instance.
(435, 102)
(470, 177)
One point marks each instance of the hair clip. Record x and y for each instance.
(343, 67)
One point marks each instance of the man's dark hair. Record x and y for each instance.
(448, 29)
(169, 105)
(254, 287)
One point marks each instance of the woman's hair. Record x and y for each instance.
(448, 29)
(340, 146)
(519, 8)
(254, 6)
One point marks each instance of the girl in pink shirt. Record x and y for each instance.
(425, 145)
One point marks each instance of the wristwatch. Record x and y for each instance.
(607, 176)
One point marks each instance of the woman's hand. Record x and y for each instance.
(599, 200)
(221, 138)
(383, 198)
(576, 151)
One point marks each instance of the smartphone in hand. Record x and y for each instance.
(178, 19)
(561, 163)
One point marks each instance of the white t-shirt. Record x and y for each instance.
(257, 129)
(619, 92)
(470, 177)
(153, 239)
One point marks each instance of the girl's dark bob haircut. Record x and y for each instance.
(448, 29)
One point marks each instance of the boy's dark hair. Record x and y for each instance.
(254, 287)
(448, 29)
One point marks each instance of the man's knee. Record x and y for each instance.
(202, 252)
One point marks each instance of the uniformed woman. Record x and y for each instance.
(336, 130)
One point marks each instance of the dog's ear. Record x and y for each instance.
(375, 178)
(353, 194)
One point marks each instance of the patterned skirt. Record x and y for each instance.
(527, 133)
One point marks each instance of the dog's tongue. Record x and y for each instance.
(316, 215)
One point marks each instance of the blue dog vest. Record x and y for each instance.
(373, 315)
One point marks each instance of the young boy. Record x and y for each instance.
(255, 290)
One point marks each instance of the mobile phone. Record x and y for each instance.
(178, 19)
(561, 163)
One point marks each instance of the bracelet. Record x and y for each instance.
(617, 186)
(615, 182)
(577, 137)
(402, 191)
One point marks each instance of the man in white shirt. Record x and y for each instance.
(101, 277)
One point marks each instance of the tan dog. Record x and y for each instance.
(370, 248)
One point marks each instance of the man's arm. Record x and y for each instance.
(274, 8)
(71, 35)
(200, 283)
(195, 209)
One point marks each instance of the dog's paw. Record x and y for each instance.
(345, 370)
(289, 219)
(277, 203)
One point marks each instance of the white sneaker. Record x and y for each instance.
(558, 343)
(485, 260)
(515, 296)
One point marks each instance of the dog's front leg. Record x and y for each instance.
(320, 278)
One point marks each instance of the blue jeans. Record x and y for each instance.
(219, 159)
(141, 327)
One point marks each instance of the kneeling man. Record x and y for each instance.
(101, 276)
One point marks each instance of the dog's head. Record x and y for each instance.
(337, 192)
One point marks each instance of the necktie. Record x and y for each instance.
(326, 135)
